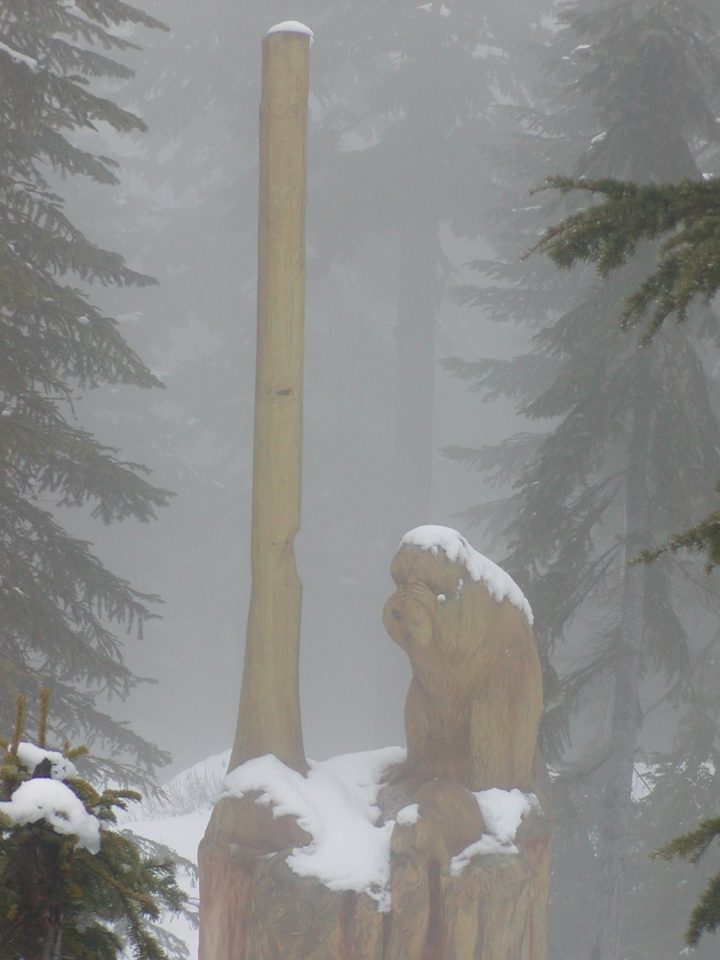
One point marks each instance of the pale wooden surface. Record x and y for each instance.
(473, 709)
(472, 717)
(269, 714)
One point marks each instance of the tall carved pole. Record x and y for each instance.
(269, 714)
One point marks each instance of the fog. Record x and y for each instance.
(416, 112)
(186, 213)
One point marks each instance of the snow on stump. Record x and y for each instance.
(440, 853)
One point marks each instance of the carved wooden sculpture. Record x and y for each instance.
(474, 705)
(471, 721)
(458, 889)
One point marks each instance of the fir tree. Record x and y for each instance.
(71, 884)
(57, 601)
(691, 847)
(686, 218)
(676, 790)
(632, 439)
(429, 78)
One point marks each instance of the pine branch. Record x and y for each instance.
(685, 216)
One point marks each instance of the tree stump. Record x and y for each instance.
(461, 885)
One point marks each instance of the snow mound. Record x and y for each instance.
(30, 756)
(193, 789)
(54, 802)
(408, 815)
(457, 549)
(503, 811)
(337, 805)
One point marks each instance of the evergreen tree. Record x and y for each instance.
(686, 217)
(71, 884)
(57, 601)
(691, 847)
(429, 81)
(674, 792)
(632, 439)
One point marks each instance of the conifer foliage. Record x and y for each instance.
(620, 451)
(70, 884)
(56, 598)
(685, 216)
(705, 918)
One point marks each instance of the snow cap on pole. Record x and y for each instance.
(292, 26)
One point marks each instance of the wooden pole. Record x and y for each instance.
(269, 714)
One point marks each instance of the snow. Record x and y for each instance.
(487, 844)
(339, 800)
(54, 802)
(457, 549)
(443, 10)
(31, 755)
(292, 26)
(482, 51)
(408, 815)
(19, 57)
(337, 805)
(503, 811)
(643, 780)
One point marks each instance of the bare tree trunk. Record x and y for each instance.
(615, 830)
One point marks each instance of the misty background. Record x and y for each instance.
(430, 123)
(379, 235)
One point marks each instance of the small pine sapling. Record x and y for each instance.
(70, 884)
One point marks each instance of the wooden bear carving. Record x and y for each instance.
(474, 704)
(459, 886)
(471, 723)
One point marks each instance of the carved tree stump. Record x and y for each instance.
(254, 906)
(472, 722)
(471, 717)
